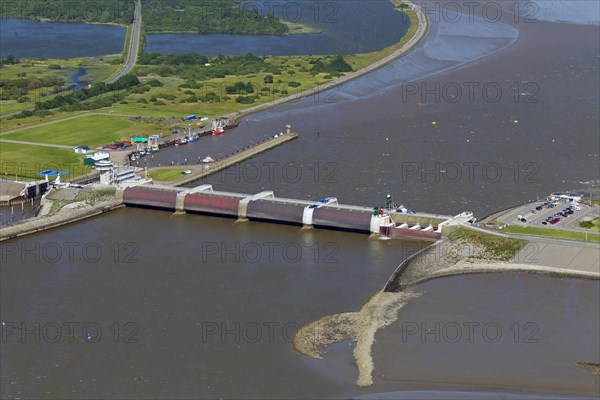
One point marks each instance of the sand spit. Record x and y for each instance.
(441, 259)
(595, 367)
(381, 310)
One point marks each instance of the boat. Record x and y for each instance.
(181, 141)
(219, 125)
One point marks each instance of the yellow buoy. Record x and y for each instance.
(516, 121)
(434, 123)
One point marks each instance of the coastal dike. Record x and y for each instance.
(39, 224)
(422, 29)
(448, 257)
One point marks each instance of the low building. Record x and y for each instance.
(572, 197)
(92, 160)
(82, 150)
(116, 176)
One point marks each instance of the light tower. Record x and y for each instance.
(107, 172)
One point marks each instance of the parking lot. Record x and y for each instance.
(538, 217)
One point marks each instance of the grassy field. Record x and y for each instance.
(554, 233)
(496, 247)
(593, 225)
(92, 130)
(167, 174)
(25, 162)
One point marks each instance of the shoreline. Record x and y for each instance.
(420, 33)
(497, 268)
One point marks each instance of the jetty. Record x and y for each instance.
(202, 170)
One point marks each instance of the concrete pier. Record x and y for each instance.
(203, 170)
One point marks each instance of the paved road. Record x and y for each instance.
(134, 44)
(16, 112)
(567, 254)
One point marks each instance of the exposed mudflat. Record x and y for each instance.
(361, 326)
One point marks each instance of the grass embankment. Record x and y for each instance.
(86, 197)
(494, 247)
(166, 175)
(593, 225)
(553, 233)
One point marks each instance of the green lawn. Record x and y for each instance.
(165, 175)
(593, 225)
(27, 161)
(553, 233)
(496, 247)
(92, 130)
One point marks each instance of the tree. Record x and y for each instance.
(268, 79)
(338, 64)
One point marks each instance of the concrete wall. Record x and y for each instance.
(276, 211)
(212, 204)
(413, 219)
(150, 197)
(329, 216)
